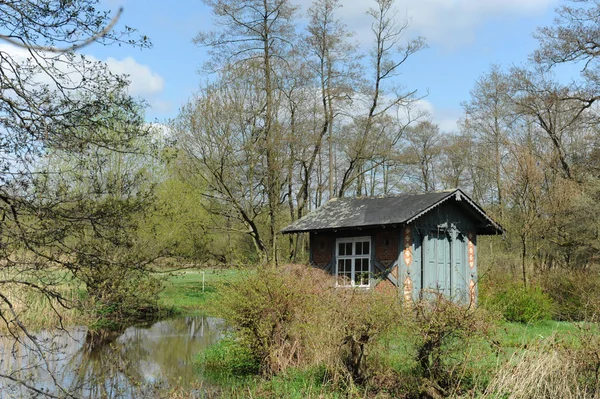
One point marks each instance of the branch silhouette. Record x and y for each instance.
(77, 46)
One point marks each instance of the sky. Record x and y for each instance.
(464, 38)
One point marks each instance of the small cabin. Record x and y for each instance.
(413, 244)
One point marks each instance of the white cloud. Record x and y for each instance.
(451, 23)
(445, 118)
(143, 82)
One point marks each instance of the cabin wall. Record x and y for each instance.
(385, 247)
(436, 252)
(322, 250)
(440, 247)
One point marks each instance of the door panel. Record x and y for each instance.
(459, 272)
(437, 263)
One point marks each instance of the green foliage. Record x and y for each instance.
(179, 224)
(227, 358)
(518, 303)
(119, 296)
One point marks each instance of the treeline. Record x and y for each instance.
(295, 114)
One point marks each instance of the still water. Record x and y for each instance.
(128, 365)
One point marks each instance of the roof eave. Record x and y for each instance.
(343, 228)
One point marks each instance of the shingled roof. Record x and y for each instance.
(365, 212)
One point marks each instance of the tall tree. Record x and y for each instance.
(388, 55)
(574, 36)
(455, 150)
(335, 67)
(562, 112)
(488, 117)
(220, 133)
(423, 152)
(256, 32)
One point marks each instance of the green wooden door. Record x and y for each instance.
(437, 276)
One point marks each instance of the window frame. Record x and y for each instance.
(353, 257)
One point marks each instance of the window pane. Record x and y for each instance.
(344, 271)
(365, 246)
(348, 248)
(361, 271)
(358, 248)
(341, 249)
(364, 278)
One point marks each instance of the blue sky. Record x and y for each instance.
(464, 37)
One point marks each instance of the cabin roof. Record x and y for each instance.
(369, 212)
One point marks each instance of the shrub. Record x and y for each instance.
(292, 320)
(443, 334)
(575, 293)
(360, 319)
(278, 315)
(119, 296)
(293, 317)
(519, 303)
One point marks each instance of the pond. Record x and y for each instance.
(126, 365)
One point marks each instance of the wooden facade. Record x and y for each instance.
(419, 245)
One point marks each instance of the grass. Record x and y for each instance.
(185, 294)
(518, 335)
(483, 357)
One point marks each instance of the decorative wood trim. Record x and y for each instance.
(408, 243)
(471, 249)
(408, 290)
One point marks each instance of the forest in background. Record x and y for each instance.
(288, 116)
(295, 115)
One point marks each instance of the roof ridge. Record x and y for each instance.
(395, 195)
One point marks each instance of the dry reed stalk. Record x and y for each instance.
(542, 372)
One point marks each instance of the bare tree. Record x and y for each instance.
(574, 36)
(561, 111)
(261, 33)
(489, 115)
(386, 58)
(423, 151)
(220, 133)
(454, 159)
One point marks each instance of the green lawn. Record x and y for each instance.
(185, 293)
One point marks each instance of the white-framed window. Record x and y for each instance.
(353, 261)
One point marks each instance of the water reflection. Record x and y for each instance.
(72, 361)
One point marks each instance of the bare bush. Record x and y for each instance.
(576, 293)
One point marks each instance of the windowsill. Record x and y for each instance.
(357, 287)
